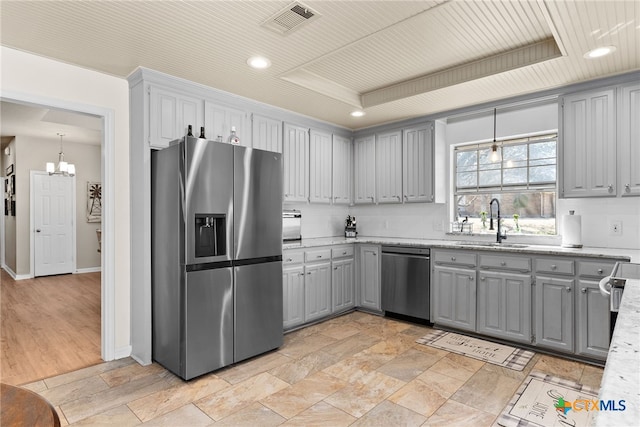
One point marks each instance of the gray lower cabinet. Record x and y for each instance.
(504, 305)
(454, 297)
(369, 259)
(293, 293)
(554, 312)
(317, 290)
(592, 320)
(342, 285)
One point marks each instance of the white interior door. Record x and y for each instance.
(54, 231)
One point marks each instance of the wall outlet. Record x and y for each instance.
(615, 228)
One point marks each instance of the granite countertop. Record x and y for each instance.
(621, 378)
(632, 255)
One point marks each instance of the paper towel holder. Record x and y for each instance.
(573, 239)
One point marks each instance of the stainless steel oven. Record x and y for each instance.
(613, 286)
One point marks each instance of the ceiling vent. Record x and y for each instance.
(290, 18)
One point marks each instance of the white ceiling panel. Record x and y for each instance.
(353, 48)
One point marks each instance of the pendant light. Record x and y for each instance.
(63, 168)
(495, 156)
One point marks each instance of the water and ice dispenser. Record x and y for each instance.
(210, 235)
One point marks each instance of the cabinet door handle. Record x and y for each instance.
(289, 260)
(302, 274)
(471, 278)
(335, 268)
(610, 188)
(583, 290)
(344, 253)
(406, 197)
(568, 289)
(481, 279)
(553, 267)
(453, 258)
(38, 230)
(627, 188)
(319, 256)
(375, 254)
(599, 271)
(308, 272)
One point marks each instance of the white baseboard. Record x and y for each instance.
(15, 276)
(88, 270)
(141, 362)
(122, 352)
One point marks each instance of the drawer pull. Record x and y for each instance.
(319, 256)
(335, 268)
(553, 266)
(503, 263)
(568, 289)
(583, 290)
(453, 258)
(344, 253)
(599, 271)
(289, 260)
(302, 274)
(309, 273)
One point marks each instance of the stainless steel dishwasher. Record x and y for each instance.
(405, 281)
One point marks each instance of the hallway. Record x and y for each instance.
(49, 326)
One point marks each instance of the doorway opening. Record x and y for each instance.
(96, 282)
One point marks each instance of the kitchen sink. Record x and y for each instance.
(492, 244)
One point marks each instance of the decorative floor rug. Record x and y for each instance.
(548, 401)
(497, 354)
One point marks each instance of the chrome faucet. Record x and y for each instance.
(499, 235)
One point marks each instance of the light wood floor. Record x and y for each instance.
(49, 326)
(357, 369)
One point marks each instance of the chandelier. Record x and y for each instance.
(63, 168)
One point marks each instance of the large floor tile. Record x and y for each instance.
(563, 368)
(457, 414)
(389, 414)
(252, 367)
(420, 397)
(321, 415)
(120, 416)
(306, 345)
(119, 376)
(359, 398)
(351, 345)
(187, 415)
(445, 385)
(230, 400)
(87, 372)
(408, 365)
(295, 399)
(457, 366)
(252, 416)
(297, 370)
(165, 401)
(592, 376)
(487, 391)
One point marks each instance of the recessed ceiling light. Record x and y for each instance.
(357, 113)
(600, 51)
(259, 62)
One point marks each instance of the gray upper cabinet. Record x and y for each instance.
(364, 153)
(320, 167)
(295, 149)
(342, 177)
(170, 113)
(388, 168)
(219, 119)
(588, 137)
(629, 139)
(266, 133)
(417, 163)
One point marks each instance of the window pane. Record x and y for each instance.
(542, 174)
(489, 178)
(466, 179)
(514, 152)
(515, 176)
(466, 160)
(542, 150)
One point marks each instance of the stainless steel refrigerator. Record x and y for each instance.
(216, 255)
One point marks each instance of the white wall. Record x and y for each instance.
(320, 220)
(35, 76)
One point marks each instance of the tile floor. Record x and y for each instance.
(357, 369)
